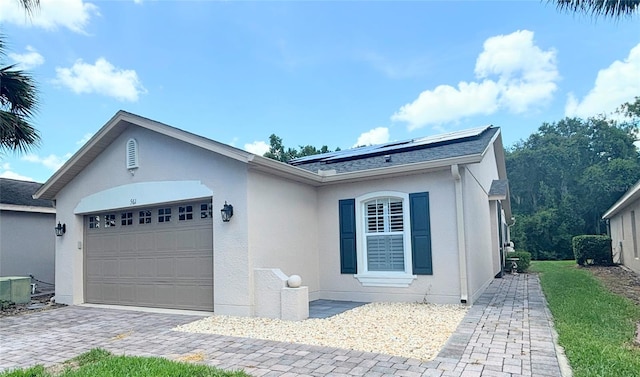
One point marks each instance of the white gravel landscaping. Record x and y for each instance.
(411, 330)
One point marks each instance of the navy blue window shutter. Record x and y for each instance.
(420, 233)
(347, 214)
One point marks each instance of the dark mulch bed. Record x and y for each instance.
(38, 303)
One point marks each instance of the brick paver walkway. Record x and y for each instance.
(507, 333)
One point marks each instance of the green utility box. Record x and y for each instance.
(16, 289)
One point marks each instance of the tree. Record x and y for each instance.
(564, 176)
(277, 150)
(18, 101)
(607, 8)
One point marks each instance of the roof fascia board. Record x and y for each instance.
(305, 176)
(21, 208)
(401, 169)
(187, 137)
(77, 156)
(281, 169)
(632, 194)
(121, 121)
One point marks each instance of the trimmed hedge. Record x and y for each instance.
(523, 262)
(592, 249)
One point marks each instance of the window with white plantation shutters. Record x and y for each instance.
(132, 154)
(384, 219)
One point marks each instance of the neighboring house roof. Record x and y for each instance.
(627, 198)
(17, 195)
(431, 153)
(440, 147)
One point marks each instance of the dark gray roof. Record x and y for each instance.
(397, 153)
(499, 187)
(19, 193)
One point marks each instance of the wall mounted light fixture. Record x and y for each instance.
(60, 229)
(226, 212)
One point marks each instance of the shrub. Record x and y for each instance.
(593, 248)
(524, 260)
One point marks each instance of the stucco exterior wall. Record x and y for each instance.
(482, 246)
(441, 287)
(622, 237)
(27, 245)
(283, 228)
(162, 158)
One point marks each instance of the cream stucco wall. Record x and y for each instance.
(283, 228)
(622, 236)
(481, 240)
(441, 287)
(162, 159)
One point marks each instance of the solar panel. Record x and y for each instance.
(391, 146)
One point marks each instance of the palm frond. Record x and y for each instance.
(16, 134)
(30, 5)
(607, 8)
(18, 92)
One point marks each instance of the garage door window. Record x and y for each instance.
(185, 213)
(126, 218)
(144, 217)
(164, 215)
(205, 211)
(94, 222)
(109, 220)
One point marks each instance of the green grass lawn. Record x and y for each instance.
(101, 363)
(595, 327)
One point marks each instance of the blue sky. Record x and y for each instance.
(334, 73)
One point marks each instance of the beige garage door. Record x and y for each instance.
(156, 257)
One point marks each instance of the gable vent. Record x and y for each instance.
(132, 154)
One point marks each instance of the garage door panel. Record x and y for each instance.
(127, 267)
(168, 265)
(145, 242)
(165, 240)
(128, 243)
(165, 268)
(186, 240)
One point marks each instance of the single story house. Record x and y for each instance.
(624, 227)
(402, 221)
(27, 238)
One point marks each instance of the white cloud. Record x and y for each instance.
(101, 78)
(614, 85)
(377, 135)
(72, 14)
(7, 173)
(257, 147)
(51, 161)
(28, 60)
(512, 73)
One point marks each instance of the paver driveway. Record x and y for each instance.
(506, 333)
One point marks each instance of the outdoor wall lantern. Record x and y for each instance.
(60, 229)
(226, 212)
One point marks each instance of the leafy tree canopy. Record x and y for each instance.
(563, 177)
(278, 151)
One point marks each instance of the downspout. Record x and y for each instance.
(462, 250)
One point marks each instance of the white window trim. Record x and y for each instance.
(383, 278)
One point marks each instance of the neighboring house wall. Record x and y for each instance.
(162, 158)
(27, 245)
(441, 287)
(626, 243)
(283, 227)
